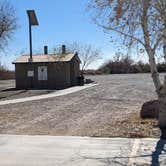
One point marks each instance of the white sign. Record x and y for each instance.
(42, 73)
(30, 73)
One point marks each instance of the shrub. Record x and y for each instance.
(6, 74)
(125, 64)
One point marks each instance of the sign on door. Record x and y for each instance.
(42, 73)
(30, 73)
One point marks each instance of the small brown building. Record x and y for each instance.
(47, 71)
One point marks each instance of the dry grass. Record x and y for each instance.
(134, 126)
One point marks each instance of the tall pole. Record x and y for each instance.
(30, 40)
(32, 21)
(30, 51)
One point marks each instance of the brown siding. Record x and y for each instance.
(62, 74)
(59, 74)
(74, 71)
(22, 81)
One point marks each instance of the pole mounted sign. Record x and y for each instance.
(32, 22)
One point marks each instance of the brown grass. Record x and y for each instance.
(134, 126)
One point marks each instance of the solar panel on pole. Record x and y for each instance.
(32, 22)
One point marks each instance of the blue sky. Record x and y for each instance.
(60, 21)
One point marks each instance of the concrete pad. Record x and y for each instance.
(20, 150)
(50, 95)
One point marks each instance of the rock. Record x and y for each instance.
(150, 109)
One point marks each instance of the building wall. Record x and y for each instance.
(22, 81)
(59, 75)
(62, 74)
(74, 71)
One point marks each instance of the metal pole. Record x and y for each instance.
(32, 21)
(30, 48)
(30, 39)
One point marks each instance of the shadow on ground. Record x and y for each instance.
(12, 89)
(14, 93)
(158, 151)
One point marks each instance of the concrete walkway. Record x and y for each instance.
(50, 95)
(17, 150)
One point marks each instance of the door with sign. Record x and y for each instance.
(42, 73)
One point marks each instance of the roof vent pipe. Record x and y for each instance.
(63, 49)
(45, 50)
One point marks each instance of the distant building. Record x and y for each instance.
(47, 70)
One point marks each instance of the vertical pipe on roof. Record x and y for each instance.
(45, 49)
(63, 49)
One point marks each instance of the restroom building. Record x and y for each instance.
(48, 71)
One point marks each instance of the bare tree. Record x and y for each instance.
(141, 22)
(7, 23)
(86, 52)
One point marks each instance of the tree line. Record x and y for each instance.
(6, 74)
(125, 64)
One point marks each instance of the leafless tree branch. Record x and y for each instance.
(8, 23)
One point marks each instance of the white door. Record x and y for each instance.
(42, 73)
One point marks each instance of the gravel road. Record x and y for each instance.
(102, 110)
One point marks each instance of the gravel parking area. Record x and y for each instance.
(8, 91)
(109, 109)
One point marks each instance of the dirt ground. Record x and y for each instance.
(110, 109)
